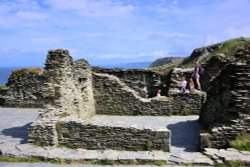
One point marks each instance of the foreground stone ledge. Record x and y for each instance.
(112, 156)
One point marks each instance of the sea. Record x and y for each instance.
(6, 71)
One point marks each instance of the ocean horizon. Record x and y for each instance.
(6, 71)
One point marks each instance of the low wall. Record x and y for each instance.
(77, 134)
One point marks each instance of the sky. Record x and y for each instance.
(107, 32)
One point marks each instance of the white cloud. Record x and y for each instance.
(93, 8)
(209, 40)
(20, 12)
(143, 56)
(233, 32)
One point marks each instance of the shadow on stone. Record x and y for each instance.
(185, 135)
(18, 132)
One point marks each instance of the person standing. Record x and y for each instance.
(196, 75)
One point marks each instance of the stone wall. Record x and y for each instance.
(113, 97)
(68, 86)
(145, 82)
(24, 89)
(226, 112)
(79, 134)
(187, 103)
(68, 91)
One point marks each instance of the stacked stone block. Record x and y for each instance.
(80, 134)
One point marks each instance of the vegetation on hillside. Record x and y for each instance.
(164, 69)
(228, 48)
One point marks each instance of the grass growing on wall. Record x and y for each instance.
(28, 71)
(3, 87)
(242, 142)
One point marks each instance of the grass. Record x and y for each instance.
(233, 164)
(165, 69)
(3, 87)
(28, 71)
(78, 162)
(242, 142)
(58, 127)
(149, 145)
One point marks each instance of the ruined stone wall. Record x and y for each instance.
(113, 97)
(76, 134)
(145, 82)
(212, 69)
(24, 89)
(68, 91)
(227, 110)
(69, 86)
(187, 103)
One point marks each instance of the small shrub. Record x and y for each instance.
(159, 163)
(58, 126)
(149, 145)
(242, 142)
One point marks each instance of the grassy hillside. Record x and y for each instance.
(228, 48)
(164, 69)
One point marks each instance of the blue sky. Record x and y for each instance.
(115, 31)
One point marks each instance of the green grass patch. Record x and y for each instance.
(165, 69)
(236, 164)
(79, 162)
(19, 159)
(3, 87)
(242, 142)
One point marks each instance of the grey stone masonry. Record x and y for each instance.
(226, 112)
(143, 81)
(24, 89)
(187, 103)
(114, 97)
(69, 87)
(94, 135)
